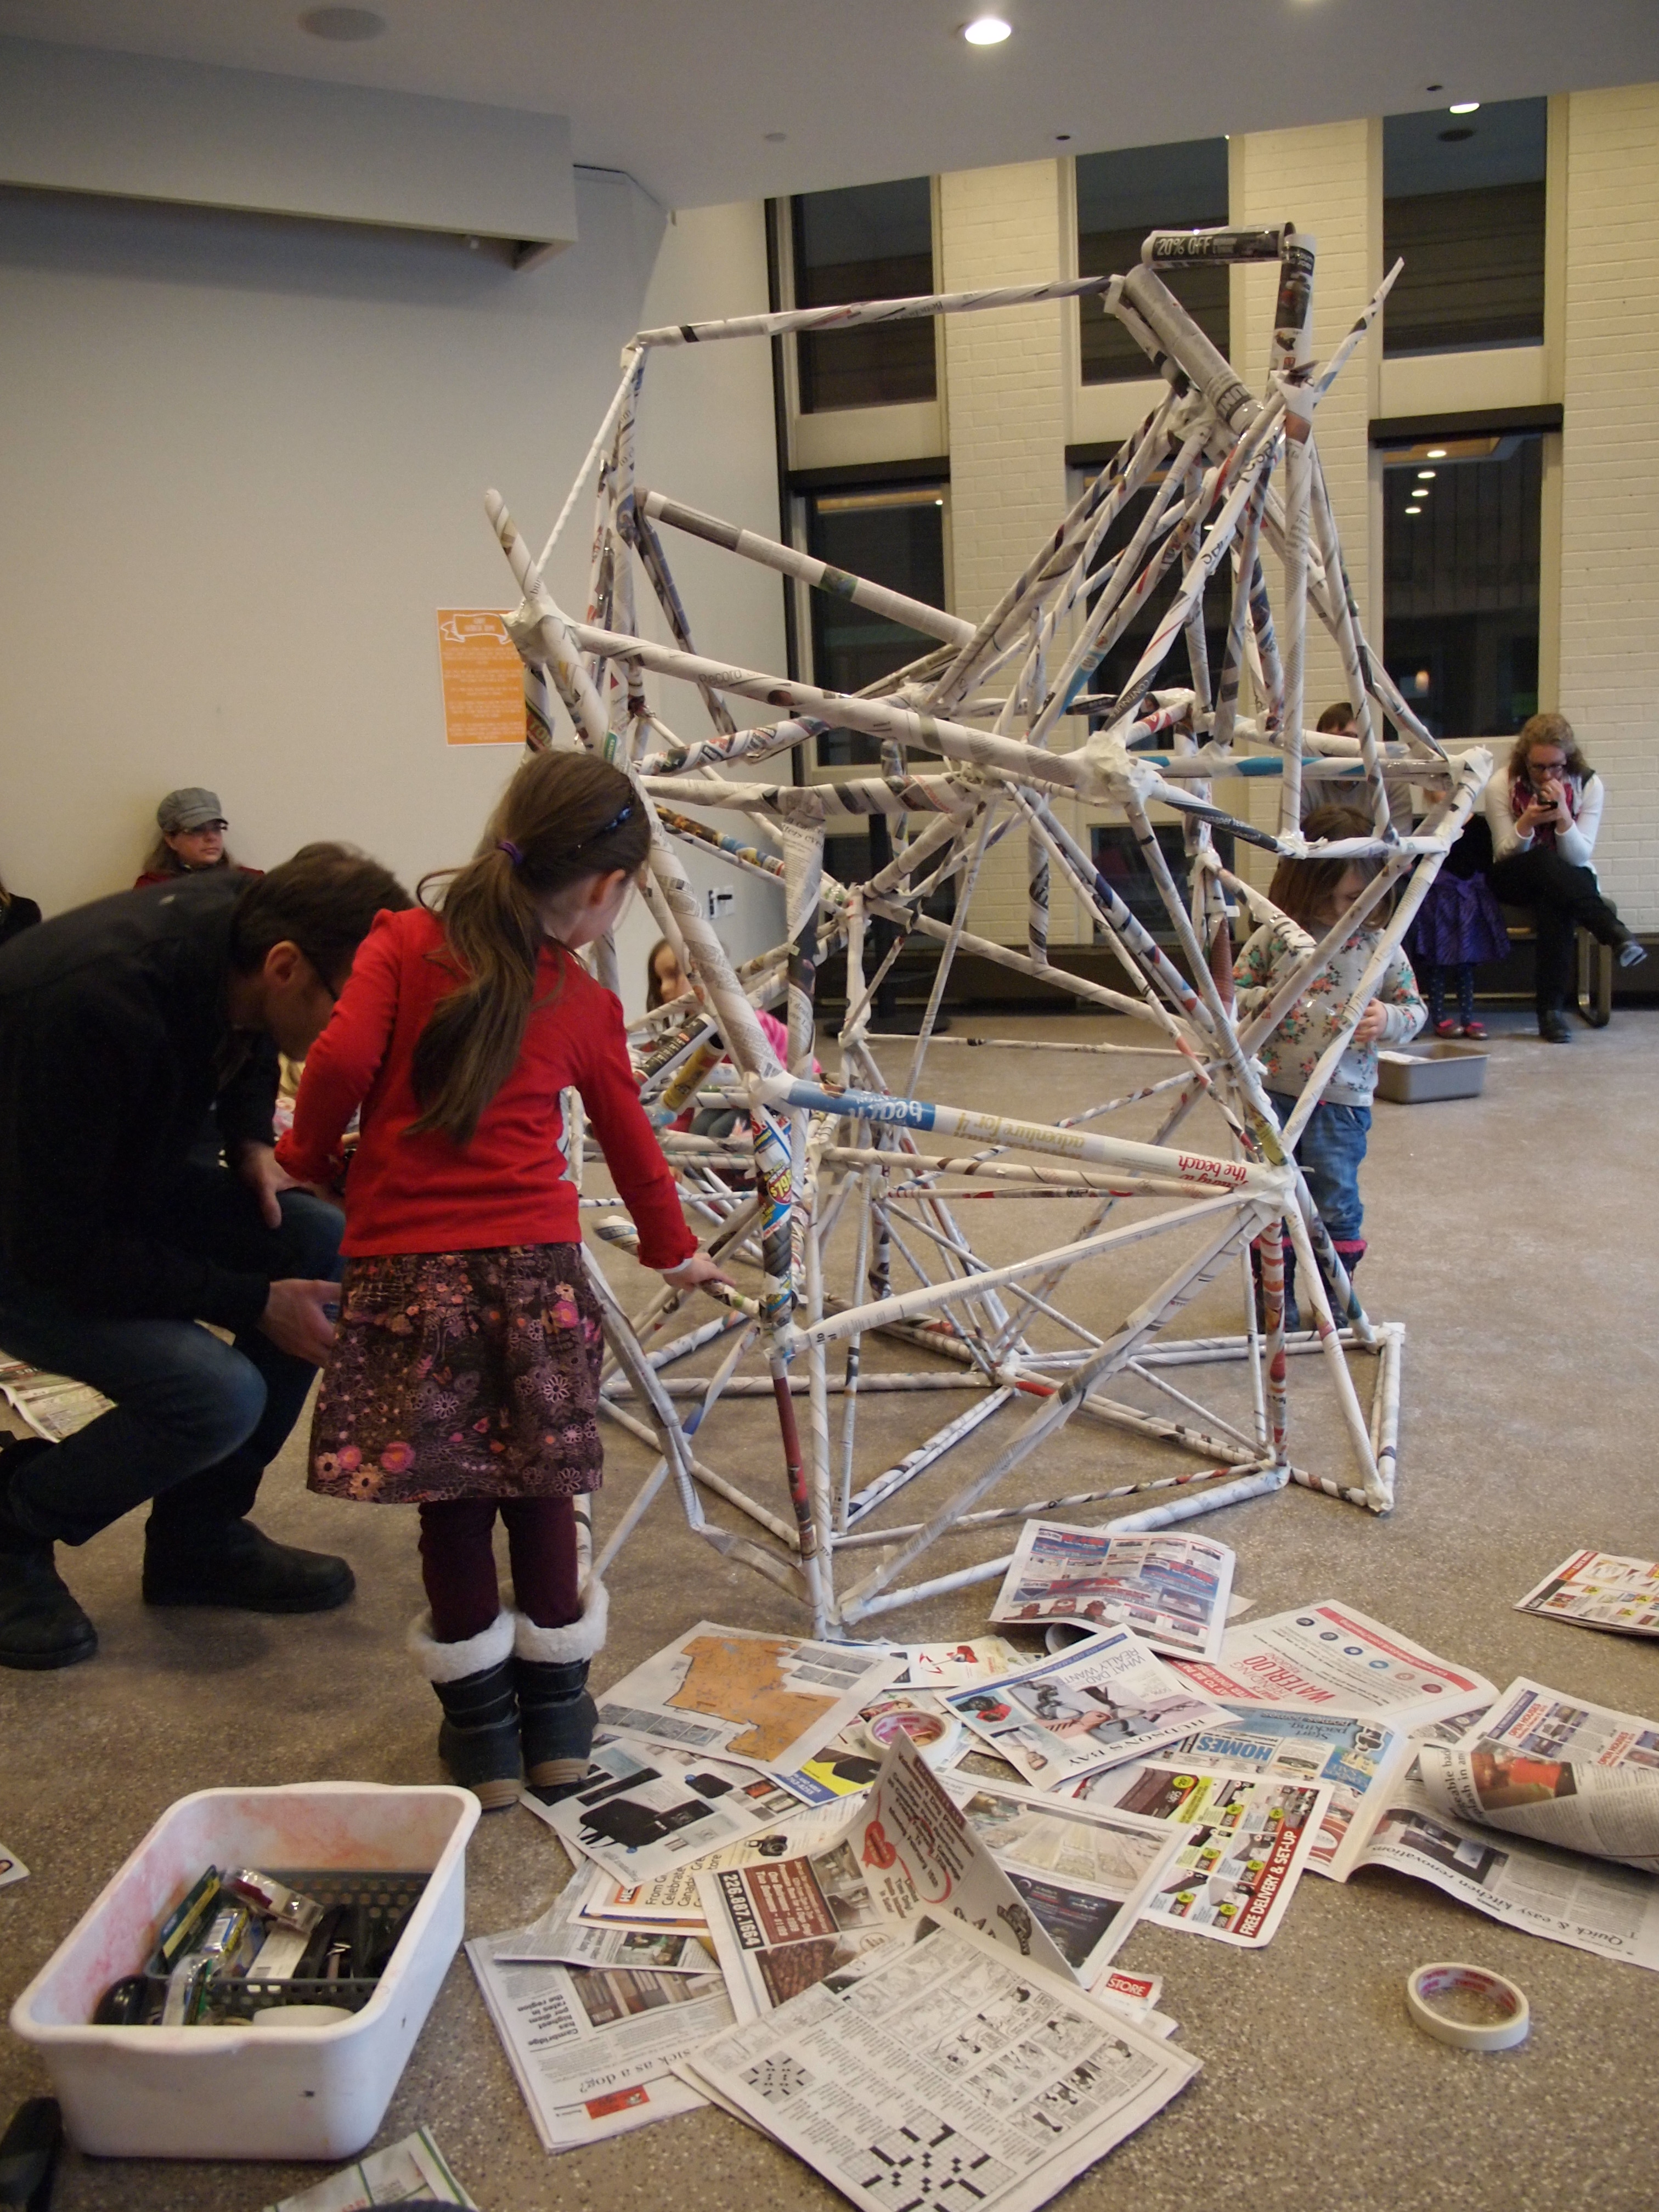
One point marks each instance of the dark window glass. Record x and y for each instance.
(1119, 198)
(851, 860)
(1115, 671)
(869, 242)
(1459, 633)
(1463, 204)
(894, 536)
(1117, 858)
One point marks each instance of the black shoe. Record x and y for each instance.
(557, 1720)
(42, 1626)
(242, 1569)
(1553, 1028)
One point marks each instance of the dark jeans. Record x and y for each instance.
(1564, 899)
(196, 1421)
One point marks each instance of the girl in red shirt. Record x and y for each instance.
(465, 1378)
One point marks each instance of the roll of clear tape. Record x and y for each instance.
(1429, 1988)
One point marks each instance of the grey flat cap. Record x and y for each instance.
(191, 809)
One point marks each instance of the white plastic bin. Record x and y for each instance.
(234, 2092)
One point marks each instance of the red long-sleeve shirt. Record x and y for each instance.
(427, 1193)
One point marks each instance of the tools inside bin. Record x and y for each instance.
(243, 1941)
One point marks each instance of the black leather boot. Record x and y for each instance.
(557, 1716)
(479, 1740)
(236, 1564)
(42, 1626)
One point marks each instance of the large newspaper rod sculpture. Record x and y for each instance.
(976, 743)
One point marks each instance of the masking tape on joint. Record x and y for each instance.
(1431, 1983)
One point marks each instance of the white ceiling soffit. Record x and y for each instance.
(79, 120)
(688, 95)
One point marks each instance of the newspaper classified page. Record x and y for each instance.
(1106, 1700)
(1171, 1588)
(1326, 1655)
(947, 2073)
(592, 2051)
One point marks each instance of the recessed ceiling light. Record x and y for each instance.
(776, 137)
(1436, 453)
(1458, 133)
(1434, 87)
(1464, 108)
(1413, 510)
(1427, 476)
(987, 31)
(344, 26)
(1062, 137)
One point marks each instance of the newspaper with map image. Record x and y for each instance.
(768, 1701)
(944, 2074)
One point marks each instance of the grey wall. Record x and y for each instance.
(242, 462)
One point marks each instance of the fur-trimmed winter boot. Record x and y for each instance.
(478, 1741)
(557, 1716)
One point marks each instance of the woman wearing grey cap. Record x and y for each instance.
(192, 840)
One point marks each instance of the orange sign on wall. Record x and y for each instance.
(483, 679)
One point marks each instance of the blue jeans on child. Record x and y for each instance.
(1328, 1151)
(195, 1421)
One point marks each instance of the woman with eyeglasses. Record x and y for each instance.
(190, 841)
(1545, 809)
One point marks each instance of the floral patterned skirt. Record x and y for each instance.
(461, 1375)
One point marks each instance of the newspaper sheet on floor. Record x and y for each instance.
(1599, 1589)
(1086, 1872)
(1172, 1589)
(1556, 1770)
(1245, 1844)
(1361, 1760)
(643, 1810)
(414, 2167)
(1326, 1656)
(946, 2072)
(11, 1868)
(592, 2051)
(1100, 1702)
(1609, 1910)
(907, 1850)
(53, 1406)
(560, 1939)
(737, 1693)
(671, 1901)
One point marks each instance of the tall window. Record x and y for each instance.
(893, 534)
(1463, 202)
(1121, 660)
(869, 242)
(1460, 538)
(1119, 198)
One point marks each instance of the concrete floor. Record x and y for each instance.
(1527, 1424)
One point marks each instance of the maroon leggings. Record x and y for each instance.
(458, 1562)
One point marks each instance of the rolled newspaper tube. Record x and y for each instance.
(1175, 331)
(1172, 247)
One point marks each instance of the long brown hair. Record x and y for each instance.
(162, 860)
(564, 816)
(1304, 889)
(1547, 730)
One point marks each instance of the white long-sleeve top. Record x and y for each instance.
(1575, 845)
(1290, 1053)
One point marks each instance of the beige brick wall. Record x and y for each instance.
(1609, 614)
(1005, 396)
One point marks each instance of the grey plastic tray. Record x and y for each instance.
(1439, 1070)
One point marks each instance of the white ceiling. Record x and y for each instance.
(682, 94)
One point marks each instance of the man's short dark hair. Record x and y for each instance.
(324, 899)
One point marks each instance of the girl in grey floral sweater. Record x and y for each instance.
(1313, 896)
